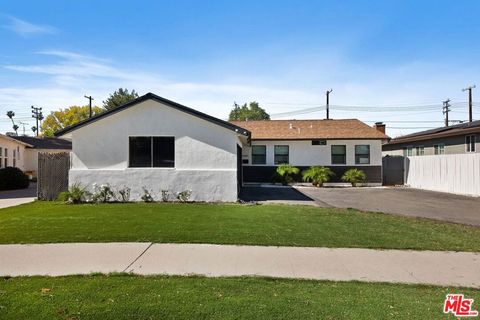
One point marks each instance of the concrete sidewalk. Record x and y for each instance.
(397, 266)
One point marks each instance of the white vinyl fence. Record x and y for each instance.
(453, 173)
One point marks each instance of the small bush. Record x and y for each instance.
(13, 178)
(63, 196)
(184, 196)
(317, 175)
(165, 195)
(147, 197)
(102, 194)
(75, 194)
(124, 194)
(285, 173)
(354, 176)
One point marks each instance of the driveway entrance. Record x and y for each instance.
(402, 201)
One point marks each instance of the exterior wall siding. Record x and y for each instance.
(205, 153)
(12, 145)
(303, 153)
(453, 145)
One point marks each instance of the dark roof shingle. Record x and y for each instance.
(45, 143)
(458, 129)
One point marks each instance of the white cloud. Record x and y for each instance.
(25, 28)
(65, 81)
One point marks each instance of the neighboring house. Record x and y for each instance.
(457, 139)
(156, 144)
(337, 144)
(37, 145)
(445, 159)
(12, 152)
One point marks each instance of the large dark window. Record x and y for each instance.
(281, 154)
(164, 152)
(152, 152)
(259, 154)
(339, 154)
(362, 154)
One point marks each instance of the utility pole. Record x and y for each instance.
(446, 106)
(90, 104)
(37, 114)
(328, 102)
(470, 102)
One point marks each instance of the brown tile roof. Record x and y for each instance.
(310, 129)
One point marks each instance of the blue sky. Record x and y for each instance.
(392, 61)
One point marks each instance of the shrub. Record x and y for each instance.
(184, 196)
(285, 172)
(13, 178)
(165, 195)
(124, 194)
(147, 197)
(354, 176)
(75, 194)
(317, 175)
(102, 194)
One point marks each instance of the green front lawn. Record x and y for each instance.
(43, 222)
(133, 297)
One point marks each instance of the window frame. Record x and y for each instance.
(362, 154)
(417, 151)
(437, 147)
(470, 146)
(275, 162)
(151, 153)
(265, 155)
(344, 154)
(409, 151)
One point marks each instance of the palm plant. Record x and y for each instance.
(286, 172)
(317, 175)
(354, 176)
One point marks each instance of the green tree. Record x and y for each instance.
(119, 97)
(63, 118)
(251, 112)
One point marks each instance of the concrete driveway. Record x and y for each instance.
(275, 194)
(402, 201)
(12, 198)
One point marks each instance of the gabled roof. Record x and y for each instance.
(13, 139)
(151, 96)
(310, 129)
(441, 132)
(45, 143)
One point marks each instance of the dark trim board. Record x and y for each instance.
(267, 173)
(151, 96)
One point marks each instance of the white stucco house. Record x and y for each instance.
(157, 144)
(36, 145)
(22, 151)
(339, 144)
(12, 152)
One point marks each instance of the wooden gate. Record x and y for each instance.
(393, 170)
(52, 174)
